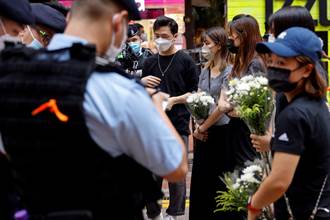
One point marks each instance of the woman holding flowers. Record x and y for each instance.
(290, 16)
(244, 34)
(298, 182)
(210, 152)
(235, 147)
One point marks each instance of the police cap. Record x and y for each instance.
(17, 10)
(49, 17)
(132, 31)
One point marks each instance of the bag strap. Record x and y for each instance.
(318, 199)
(312, 216)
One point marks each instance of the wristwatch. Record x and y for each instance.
(250, 207)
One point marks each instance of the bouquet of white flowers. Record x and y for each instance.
(200, 104)
(241, 184)
(253, 101)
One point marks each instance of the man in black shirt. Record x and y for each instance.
(174, 72)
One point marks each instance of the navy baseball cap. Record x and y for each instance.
(17, 10)
(295, 41)
(131, 7)
(49, 17)
(132, 31)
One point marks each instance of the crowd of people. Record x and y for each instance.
(93, 118)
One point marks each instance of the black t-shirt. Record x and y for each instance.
(179, 78)
(302, 127)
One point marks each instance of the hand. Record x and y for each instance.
(224, 106)
(261, 143)
(151, 81)
(233, 113)
(157, 97)
(202, 136)
(170, 104)
(252, 215)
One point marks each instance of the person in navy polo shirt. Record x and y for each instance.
(298, 182)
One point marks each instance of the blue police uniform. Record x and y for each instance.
(122, 119)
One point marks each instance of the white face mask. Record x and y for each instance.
(113, 51)
(7, 37)
(206, 52)
(271, 38)
(163, 45)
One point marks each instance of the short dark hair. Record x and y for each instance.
(289, 17)
(166, 21)
(94, 10)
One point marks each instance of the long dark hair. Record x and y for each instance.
(290, 16)
(247, 29)
(219, 36)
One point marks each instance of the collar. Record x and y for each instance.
(60, 41)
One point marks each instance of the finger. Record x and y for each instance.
(152, 84)
(155, 78)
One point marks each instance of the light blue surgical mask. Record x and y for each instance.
(136, 47)
(35, 44)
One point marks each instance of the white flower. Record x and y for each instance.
(249, 177)
(190, 99)
(262, 80)
(243, 87)
(247, 78)
(236, 186)
(252, 169)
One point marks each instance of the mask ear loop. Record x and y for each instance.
(28, 27)
(3, 27)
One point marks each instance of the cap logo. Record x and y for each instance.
(282, 35)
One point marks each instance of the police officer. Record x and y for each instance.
(133, 56)
(48, 22)
(80, 134)
(301, 142)
(13, 15)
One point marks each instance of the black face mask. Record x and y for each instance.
(231, 47)
(278, 79)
